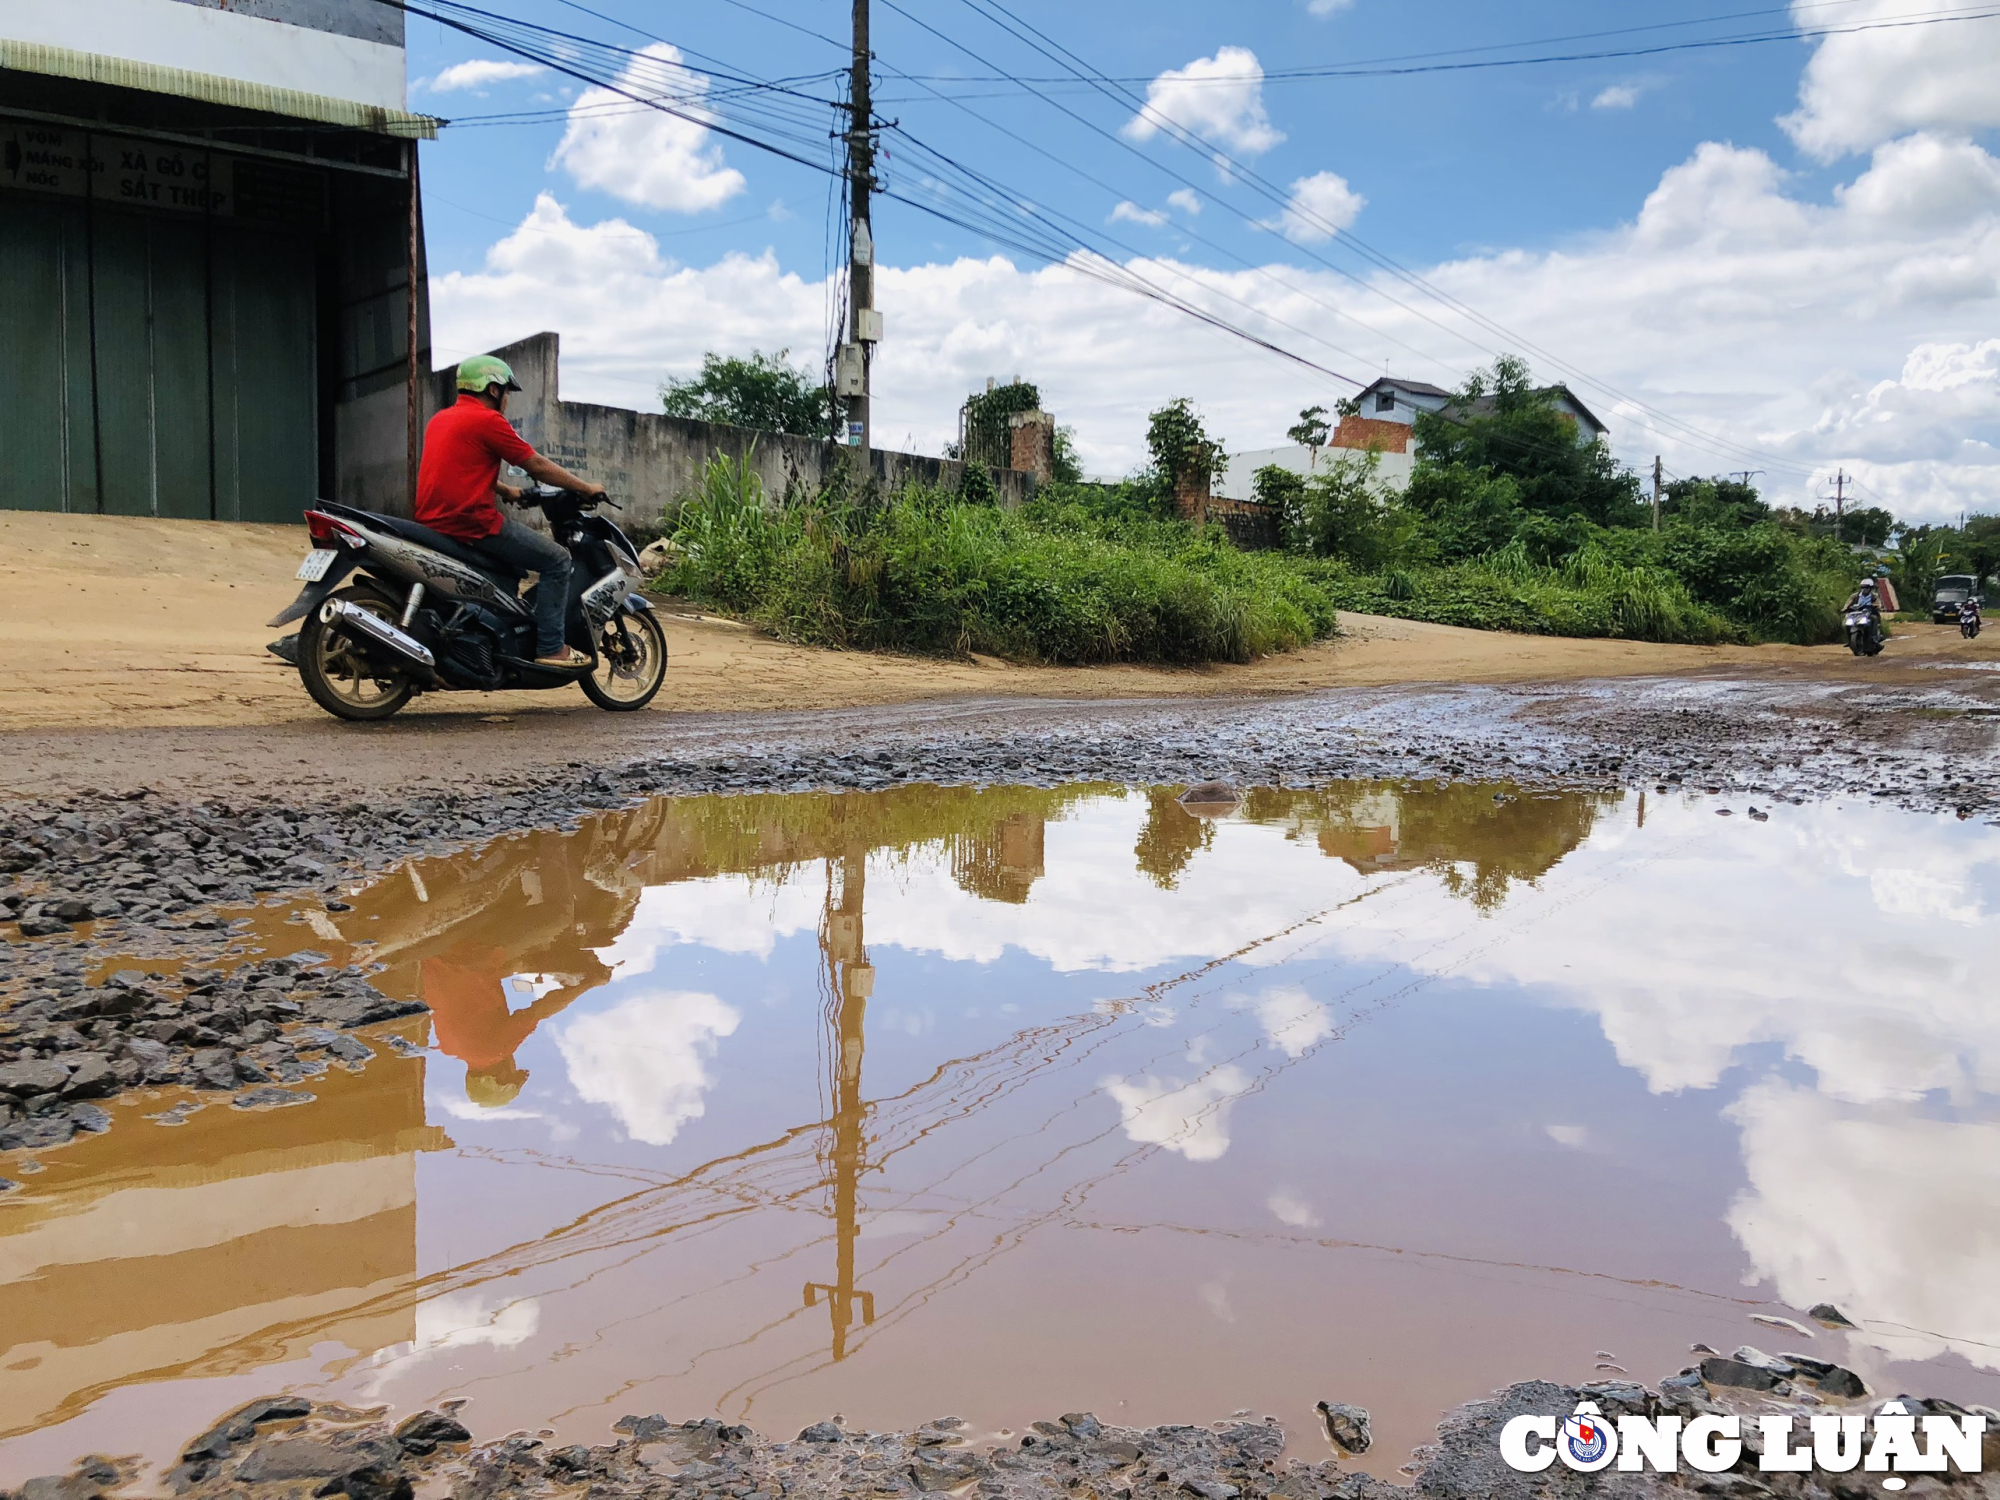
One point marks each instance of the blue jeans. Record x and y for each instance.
(531, 552)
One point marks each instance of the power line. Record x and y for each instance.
(521, 40)
(1029, 35)
(1394, 67)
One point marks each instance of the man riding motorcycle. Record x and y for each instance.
(1866, 598)
(459, 476)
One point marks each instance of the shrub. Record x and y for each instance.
(1061, 581)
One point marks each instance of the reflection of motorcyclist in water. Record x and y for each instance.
(466, 989)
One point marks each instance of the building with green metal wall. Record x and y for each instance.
(214, 299)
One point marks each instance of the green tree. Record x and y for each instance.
(1868, 526)
(1311, 430)
(1069, 468)
(1502, 423)
(1714, 502)
(1466, 512)
(1979, 543)
(763, 392)
(1341, 512)
(1277, 487)
(1181, 446)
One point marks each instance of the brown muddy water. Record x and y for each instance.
(1011, 1102)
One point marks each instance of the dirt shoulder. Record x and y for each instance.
(123, 622)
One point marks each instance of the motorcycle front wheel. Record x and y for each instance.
(631, 663)
(340, 679)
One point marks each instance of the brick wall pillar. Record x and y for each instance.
(1191, 497)
(1031, 437)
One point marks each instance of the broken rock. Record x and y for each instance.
(1346, 1426)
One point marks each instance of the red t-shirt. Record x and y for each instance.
(463, 449)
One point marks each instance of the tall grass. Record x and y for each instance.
(924, 572)
(1078, 577)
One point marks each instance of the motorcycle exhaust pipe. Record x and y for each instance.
(344, 614)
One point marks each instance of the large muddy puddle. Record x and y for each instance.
(1012, 1102)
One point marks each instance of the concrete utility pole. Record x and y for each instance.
(1839, 494)
(1656, 492)
(866, 329)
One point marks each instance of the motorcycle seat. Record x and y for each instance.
(437, 541)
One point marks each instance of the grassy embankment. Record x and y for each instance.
(1088, 574)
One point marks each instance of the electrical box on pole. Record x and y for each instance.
(850, 371)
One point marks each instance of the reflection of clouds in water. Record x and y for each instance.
(1853, 939)
(1892, 1217)
(1733, 934)
(1189, 1117)
(1292, 1019)
(646, 1059)
(458, 1320)
(1093, 910)
(728, 913)
(1289, 1206)
(1925, 893)
(462, 1319)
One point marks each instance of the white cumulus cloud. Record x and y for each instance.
(1320, 207)
(479, 73)
(1867, 87)
(1819, 329)
(1616, 96)
(1129, 212)
(1187, 200)
(645, 155)
(646, 1059)
(1219, 98)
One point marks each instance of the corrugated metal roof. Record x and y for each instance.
(62, 62)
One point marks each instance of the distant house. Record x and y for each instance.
(1387, 423)
(1393, 400)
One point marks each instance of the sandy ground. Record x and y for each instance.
(132, 623)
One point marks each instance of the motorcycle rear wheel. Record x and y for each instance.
(631, 663)
(338, 677)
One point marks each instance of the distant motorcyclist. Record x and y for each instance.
(459, 477)
(1866, 597)
(1968, 616)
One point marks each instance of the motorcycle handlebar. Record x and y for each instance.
(541, 494)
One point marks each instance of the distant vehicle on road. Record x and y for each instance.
(1953, 589)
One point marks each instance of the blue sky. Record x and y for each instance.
(1699, 240)
(1449, 162)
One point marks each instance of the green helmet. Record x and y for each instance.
(482, 370)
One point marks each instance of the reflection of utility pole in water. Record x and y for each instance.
(851, 979)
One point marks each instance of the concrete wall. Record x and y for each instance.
(1392, 472)
(648, 460)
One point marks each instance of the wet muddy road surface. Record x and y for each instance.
(778, 1081)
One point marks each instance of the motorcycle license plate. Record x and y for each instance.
(313, 569)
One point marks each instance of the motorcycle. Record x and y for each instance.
(1863, 624)
(424, 612)
(1968, 618)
